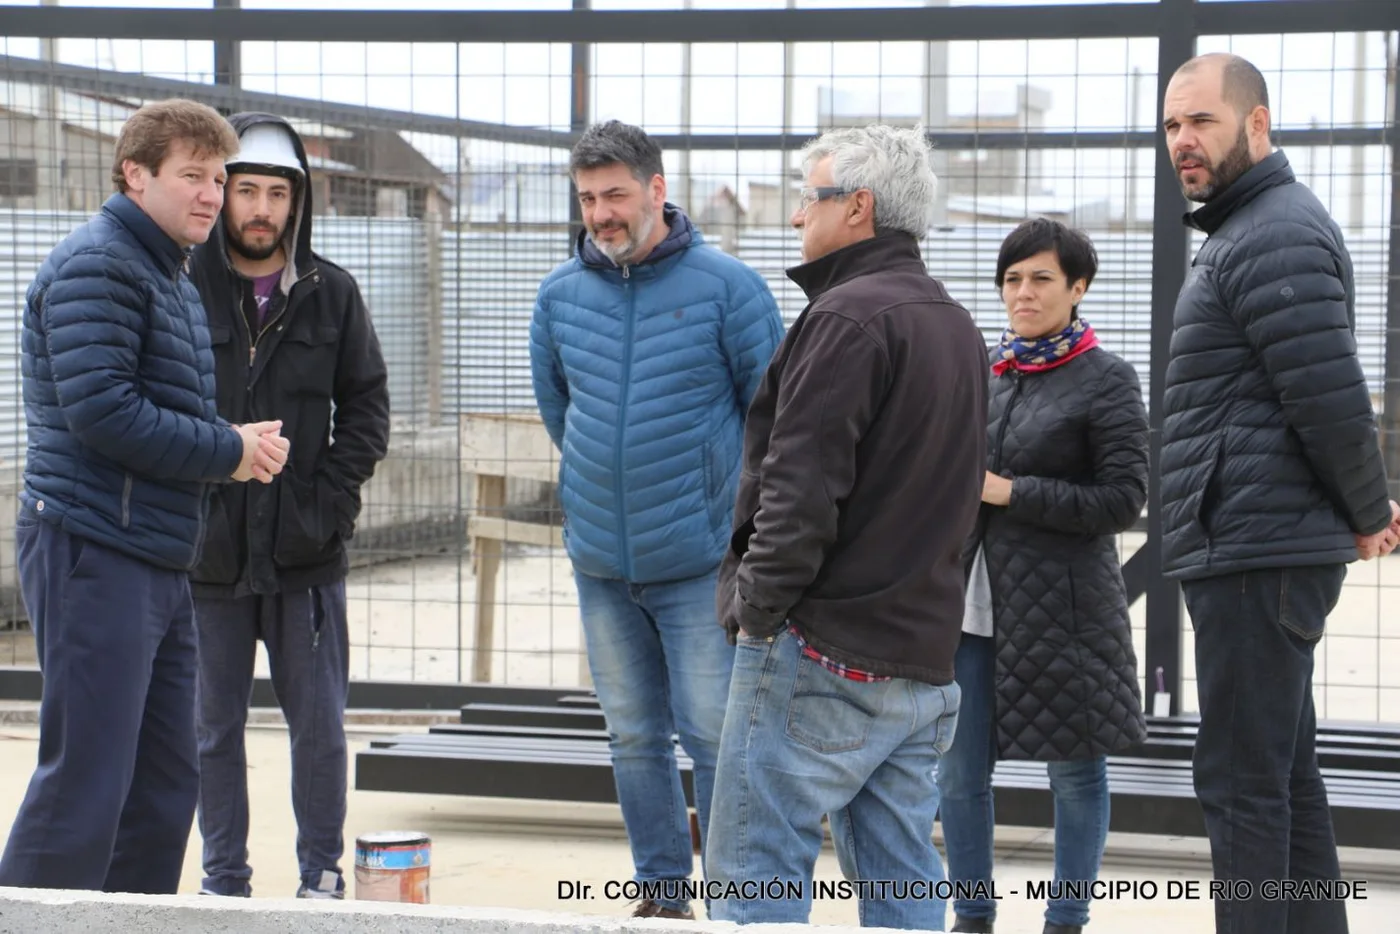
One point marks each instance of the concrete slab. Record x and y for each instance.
(25, 911)
(491, 854)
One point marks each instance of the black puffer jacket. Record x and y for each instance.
(1270, 449)
(1074, 441)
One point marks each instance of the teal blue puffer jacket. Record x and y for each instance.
(643, 376)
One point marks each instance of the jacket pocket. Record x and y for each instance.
(218, 559)
(739, 540)
(716, 479)
(310, 359)
(1210, 488)
(306, 523)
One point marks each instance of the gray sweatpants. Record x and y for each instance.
(307, 642)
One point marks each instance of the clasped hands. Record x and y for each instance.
(264, 451)
(1383, 542)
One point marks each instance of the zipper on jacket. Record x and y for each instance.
(198, 551)
(243, 316)
(624, 549)
(1006, 418)
(267, 326)
(126, 501)
(981, 528)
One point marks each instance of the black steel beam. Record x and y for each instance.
(228, 57)
(22, 683)
(1157, 799)
(1390, 415)
(1071, 21)
(954, 140)
(1138, 574)
(1169, 249)
(580, 115)
(1296, 16)
(228, 97)
(621, 26)
(224, 97)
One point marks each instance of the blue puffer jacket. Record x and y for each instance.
(119, 392)
(643, 376)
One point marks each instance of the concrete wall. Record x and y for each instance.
(26, 911)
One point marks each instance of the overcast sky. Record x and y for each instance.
(740, 88)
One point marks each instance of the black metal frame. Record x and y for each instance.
(225, 95)
(1070, 21)
(1176, 24)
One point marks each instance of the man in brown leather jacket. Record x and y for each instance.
(864, 455)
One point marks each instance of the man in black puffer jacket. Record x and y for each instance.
(291, 336)
(1272, 481)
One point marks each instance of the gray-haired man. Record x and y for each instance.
(863, 464)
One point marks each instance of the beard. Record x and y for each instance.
(621, 252)
(1220, 176)
(240, 244)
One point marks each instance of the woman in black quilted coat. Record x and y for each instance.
(1046, 662)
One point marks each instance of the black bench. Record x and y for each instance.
(537, 745)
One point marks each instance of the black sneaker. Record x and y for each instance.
(963, 925)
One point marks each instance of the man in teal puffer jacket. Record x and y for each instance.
(645, 350)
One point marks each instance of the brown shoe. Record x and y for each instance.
(650, 909)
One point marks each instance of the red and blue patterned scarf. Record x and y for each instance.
(1043, 353)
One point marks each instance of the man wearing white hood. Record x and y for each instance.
(291, 336)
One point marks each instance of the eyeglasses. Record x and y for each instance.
(810, 196)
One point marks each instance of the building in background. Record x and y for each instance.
(57, 146)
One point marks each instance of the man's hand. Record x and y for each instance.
(1383, 542)
(996, 490)
(264, 451)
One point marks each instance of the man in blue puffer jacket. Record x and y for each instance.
(646, 348)
(124, 440)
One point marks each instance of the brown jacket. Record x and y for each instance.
(864, 454)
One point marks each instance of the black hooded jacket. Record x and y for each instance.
(316, 365)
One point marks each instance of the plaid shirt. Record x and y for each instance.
(833, 666)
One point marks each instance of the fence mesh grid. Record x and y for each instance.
(438, 172)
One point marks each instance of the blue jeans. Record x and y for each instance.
(660, 664)
(800, 742)
(1080, 788)
(308, 653)
(1255, 761)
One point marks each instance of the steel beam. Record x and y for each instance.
(222, 96)
(1390, 415)
(1169, 248)
(229, 97)
(228, 56)
(1069, 21)
(580, 115)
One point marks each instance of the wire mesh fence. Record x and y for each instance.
(439, 180)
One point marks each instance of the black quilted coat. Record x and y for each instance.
(1074, 441)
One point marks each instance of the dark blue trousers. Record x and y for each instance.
(112, 802)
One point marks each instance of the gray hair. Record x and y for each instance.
(894, 163)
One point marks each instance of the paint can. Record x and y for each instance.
(392, 866)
